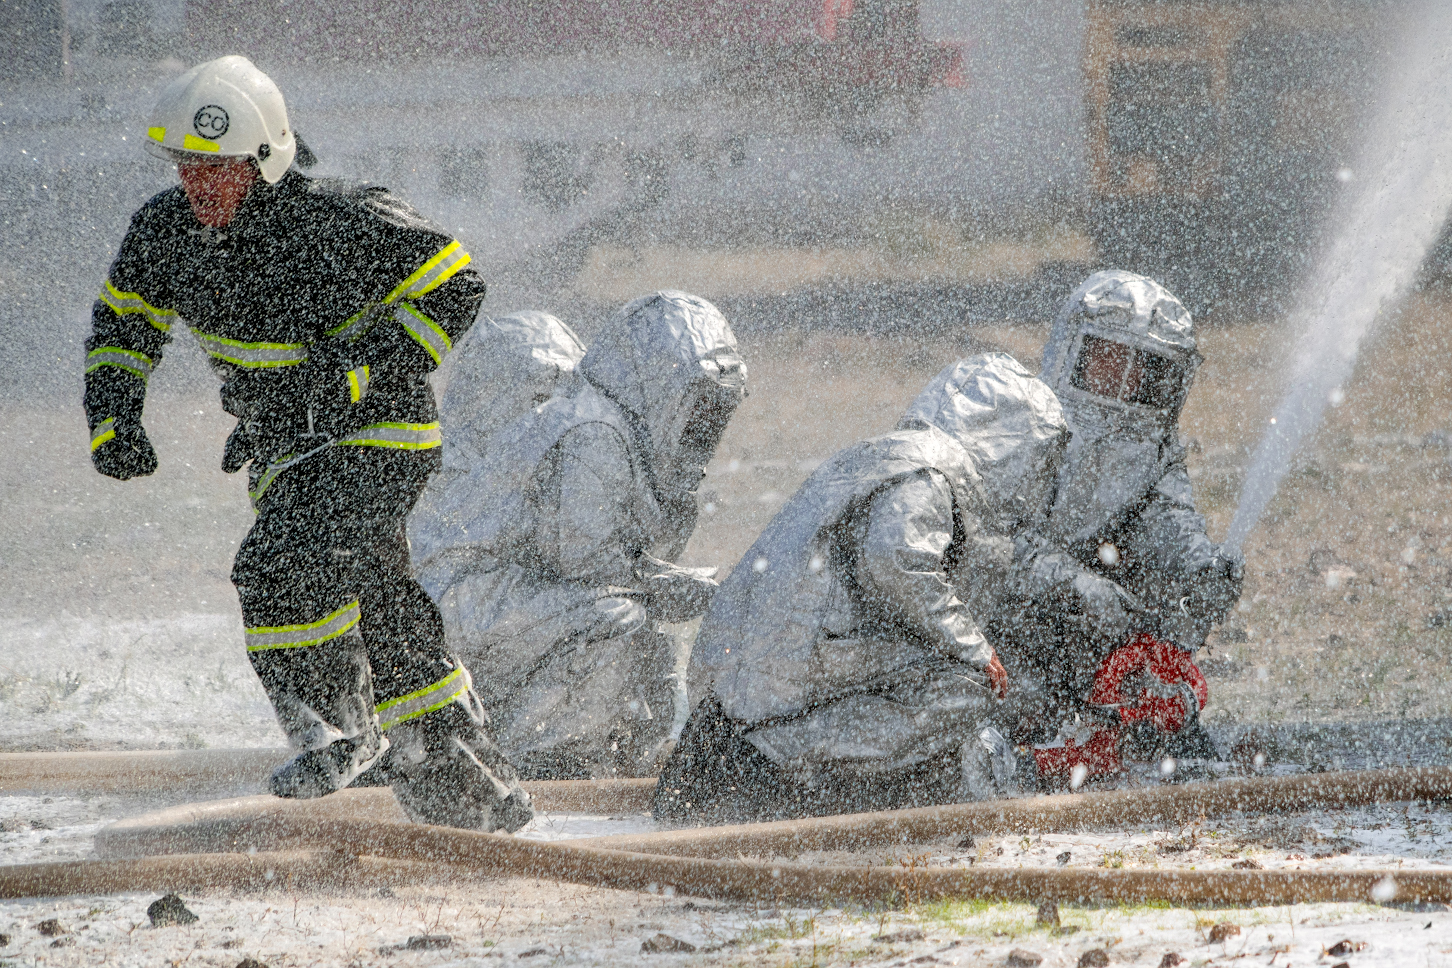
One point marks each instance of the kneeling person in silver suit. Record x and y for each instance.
(551, 557)
(1121, 584)
(846, 665)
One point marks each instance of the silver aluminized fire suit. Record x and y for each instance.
(559, 567)
(502, 370)
(1123, 549)
(846, 665)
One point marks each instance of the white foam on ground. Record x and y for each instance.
(160, 683)
(510, 918)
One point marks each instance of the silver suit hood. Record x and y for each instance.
(1120, 450)
(1009, 422)
(670, 361)
(1126, 308)
(501, 369)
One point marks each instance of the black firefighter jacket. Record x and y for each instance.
(322, 306)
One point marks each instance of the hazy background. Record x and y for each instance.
(867, 189)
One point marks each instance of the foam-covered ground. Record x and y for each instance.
(519, 921)
(520, 918)
(72, 682)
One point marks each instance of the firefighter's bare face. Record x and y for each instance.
(216, 188)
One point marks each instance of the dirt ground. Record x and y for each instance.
(534, 922)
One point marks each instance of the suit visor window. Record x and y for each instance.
(1128, 374)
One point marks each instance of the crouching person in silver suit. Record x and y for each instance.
(550, 552)
(846, 664)
(1121, 584)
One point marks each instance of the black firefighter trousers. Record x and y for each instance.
(351, 651)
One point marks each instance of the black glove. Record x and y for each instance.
(271, 410)
(240, 448)
(126, 455)
(1214, 586)
(1105, 608)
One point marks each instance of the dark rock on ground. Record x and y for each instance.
(428, 942)
(51, 927)
(663, 943)
(1094, 958)
(1220, 932)
(1023, 958)
(168, 910)
(905, 936)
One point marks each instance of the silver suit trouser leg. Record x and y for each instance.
(919, 714)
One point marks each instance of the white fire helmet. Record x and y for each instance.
(225, 108)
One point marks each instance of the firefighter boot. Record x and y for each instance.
(323, 695)
(446, 770)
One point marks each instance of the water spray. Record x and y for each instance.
(1385, 232)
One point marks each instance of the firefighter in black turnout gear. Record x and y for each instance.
(323, 307)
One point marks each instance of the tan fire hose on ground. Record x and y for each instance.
(358, 839)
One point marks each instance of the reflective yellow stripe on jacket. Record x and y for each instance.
(264, 637)
(425, 331)
(423, 701)
(357, 383)
(431, 274)
(252, 356)
(400, 436)
(137, 364)
(425, 279)
(268, 476)
(126, 303)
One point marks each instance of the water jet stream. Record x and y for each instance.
(1385, 231)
